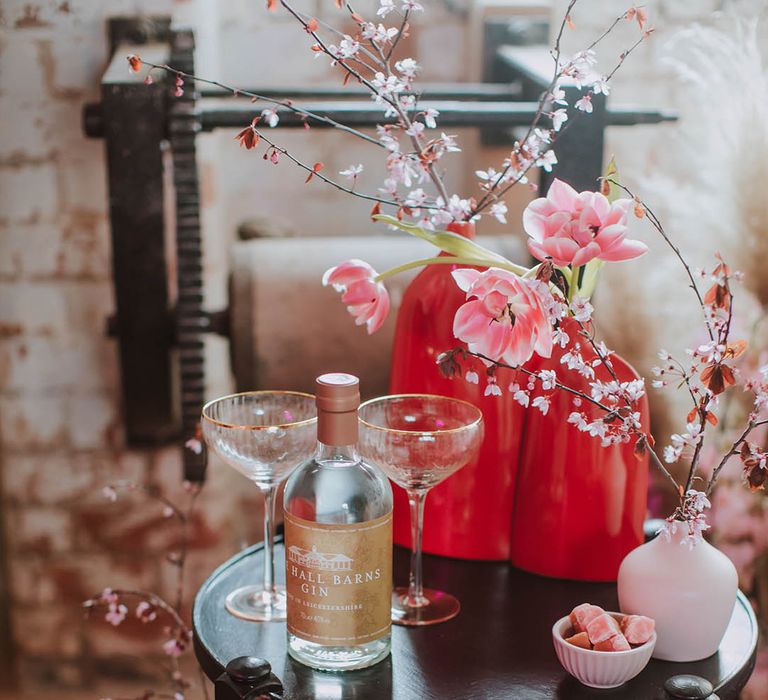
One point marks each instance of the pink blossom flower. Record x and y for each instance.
(499, 212)
(506, 320)
(572, 228)
(194, 445)
(585, 104)
(430, 118)
(146, 612)
(109, 493)
(116, 614)
(270, 116)
(520, 395)
(559, 117)
(109, 596)
(173, 647)
(366, 299)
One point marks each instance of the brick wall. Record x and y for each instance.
(61, 439)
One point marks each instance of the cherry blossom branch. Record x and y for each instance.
(184, 536)
(326, 50)
(151, 598)
(396, 40)
(556, 53)
(262, 98)
(656, 223)
(557, 384)
(151, 603)
(660, 466)
(585, 397)
(393, 102)
(626, 54)
(492, 195)
(751, 425)
(333, 30)
(694, 465)
(315, 173)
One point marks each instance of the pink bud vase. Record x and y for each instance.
(467, 515)
(579, 506)
(689, 591)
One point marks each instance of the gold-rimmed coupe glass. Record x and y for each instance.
(418, 440)
(265, 435)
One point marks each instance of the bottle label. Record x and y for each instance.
(338, 580)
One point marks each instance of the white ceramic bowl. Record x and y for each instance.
(600, 669)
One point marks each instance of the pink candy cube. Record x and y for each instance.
(583, 614)
(580, 639)
(602, 628)
(616, 643)
(638, 629)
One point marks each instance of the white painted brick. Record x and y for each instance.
(29, 193)
(36, 308)
(92, 421)
(83, 179)
(37, 422)
(29, 250)
(40, 364)
(52, 630)
(56, 479)
(27, 138)
(41, 529)
(18, 57)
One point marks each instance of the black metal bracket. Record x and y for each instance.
(134, 148)
(248, 678)
(148, 132)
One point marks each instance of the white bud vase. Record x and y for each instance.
(690, 592)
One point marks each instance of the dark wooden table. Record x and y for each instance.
(499, 647)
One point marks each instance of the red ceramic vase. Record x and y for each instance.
(469, 514)
(579, 507)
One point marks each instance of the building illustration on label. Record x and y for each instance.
(313, 559)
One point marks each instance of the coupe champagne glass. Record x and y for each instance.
(265, 435)
(418, 440)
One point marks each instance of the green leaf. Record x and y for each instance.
(454, 244)
(611, 173)
(589, 279)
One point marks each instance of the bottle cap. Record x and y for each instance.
(337, 397)
(337, 392)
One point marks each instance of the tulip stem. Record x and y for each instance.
(452, 260)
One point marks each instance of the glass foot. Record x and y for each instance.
(254, 603)
(439, 607)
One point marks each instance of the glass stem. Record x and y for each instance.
(416, 597)
(269, 542)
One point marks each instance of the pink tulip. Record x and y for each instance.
(506, 320)
(573, 228)
(366, 299)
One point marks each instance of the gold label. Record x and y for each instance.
(338, 580)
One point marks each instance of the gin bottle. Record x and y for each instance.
(338, 543)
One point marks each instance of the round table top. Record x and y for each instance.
(499, 646)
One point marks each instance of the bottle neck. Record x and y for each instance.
(337, 428)
(346, 454)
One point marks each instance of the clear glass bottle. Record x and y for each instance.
(338, 542)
